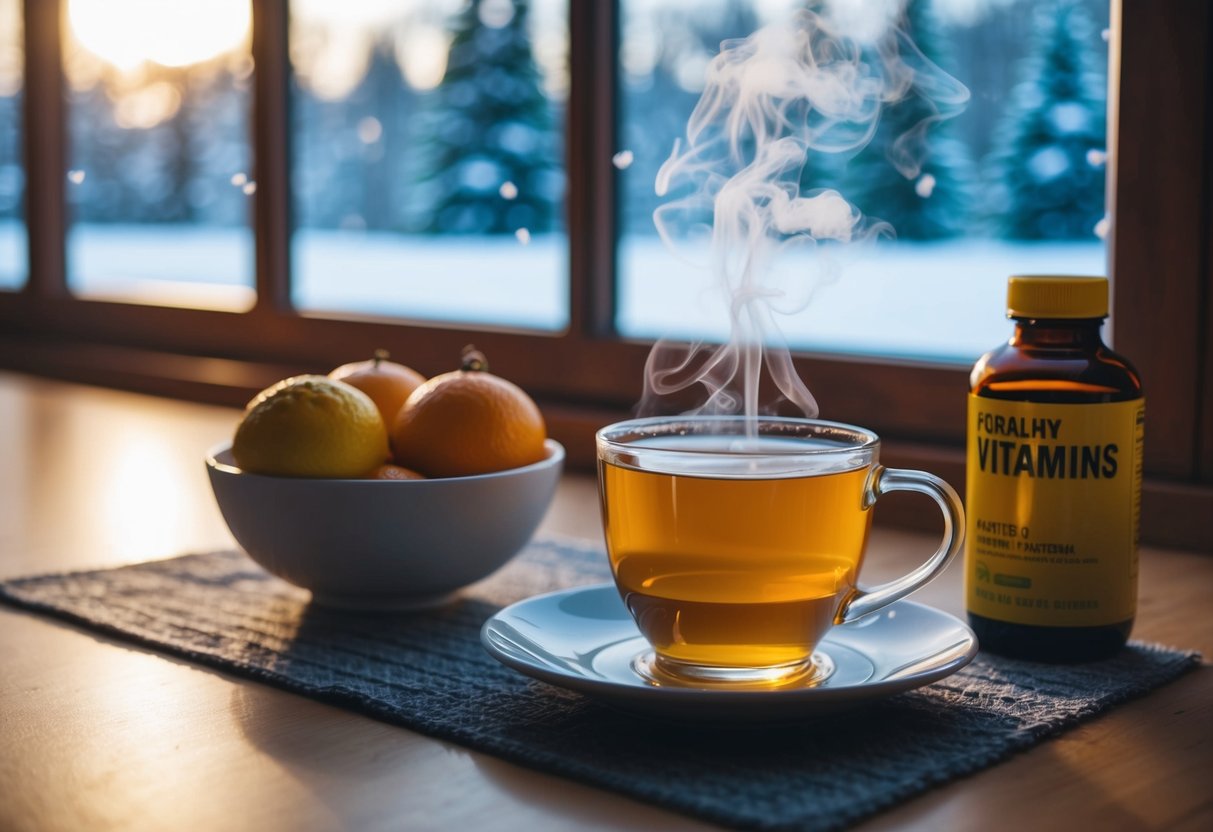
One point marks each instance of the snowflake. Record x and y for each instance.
(479, 174)
(1069, 117)
(1048, 163)
(519, 139)
(370, 130)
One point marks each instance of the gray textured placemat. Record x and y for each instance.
(427, 671)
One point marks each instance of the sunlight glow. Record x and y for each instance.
(146, 503)
(174, 33)
(12, 55)
(422, 53)
(331, 41)
(147, 107)
(331, 62)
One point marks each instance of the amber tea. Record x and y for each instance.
(731, 571)
(736, 553)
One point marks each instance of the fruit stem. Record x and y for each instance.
(473, 360)
(380, 355)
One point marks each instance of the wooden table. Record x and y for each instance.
(97, 735)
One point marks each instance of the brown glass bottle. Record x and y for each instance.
(1056, 356)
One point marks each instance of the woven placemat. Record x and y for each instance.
(427, 671)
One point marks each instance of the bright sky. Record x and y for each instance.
(11, 52)
(332, 40)
(178, 33)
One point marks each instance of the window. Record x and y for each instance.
(581, 361)
(12, 176)
(1013, 184)
(428, 141)
(158, 180)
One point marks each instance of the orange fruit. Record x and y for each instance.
(311, 426)
(393, 472)
(386, 382)
(466, 422)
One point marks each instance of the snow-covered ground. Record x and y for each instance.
(494, 280)
(941, 301)
(12, 254)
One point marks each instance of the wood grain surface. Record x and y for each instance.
(98, 735)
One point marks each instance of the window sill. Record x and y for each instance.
(1173, 513)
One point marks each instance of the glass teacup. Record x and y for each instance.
(736, 544)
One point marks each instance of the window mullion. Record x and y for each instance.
(45, 147)
(590, 136)
(271, 154)
(1158, 194)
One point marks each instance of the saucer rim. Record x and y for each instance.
(651, 699)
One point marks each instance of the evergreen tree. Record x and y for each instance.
(321, 179)
(488, 123)
(175, 170)
(653, 114)
(103, 193)
(1057, 117)
(11, 177)
(219, 119)
(657, 107)
(385, 101)
(934, 203)
(352, 150)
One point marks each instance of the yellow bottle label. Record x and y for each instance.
(1053, 507)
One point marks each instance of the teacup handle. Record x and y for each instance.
(882, 480)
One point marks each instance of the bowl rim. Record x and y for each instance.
(555, 456)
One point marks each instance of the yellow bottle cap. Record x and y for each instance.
(1057, 296)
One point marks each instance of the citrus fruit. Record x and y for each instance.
(466, 422)
(393, 472)
(386, 382)
(311, 426)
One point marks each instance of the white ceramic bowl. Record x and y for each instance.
(383, 544)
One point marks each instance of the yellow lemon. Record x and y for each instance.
(311, 426)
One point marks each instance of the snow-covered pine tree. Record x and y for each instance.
(655, 108)
(11, 179)
(1049, 187)
(379, 110)
(935, 203)
(488, 123)
(132, 172)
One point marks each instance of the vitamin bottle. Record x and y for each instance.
(1056, 422)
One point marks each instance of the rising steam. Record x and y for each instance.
(815, 84)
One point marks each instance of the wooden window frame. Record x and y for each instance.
(1161, 260)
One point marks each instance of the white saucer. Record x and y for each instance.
(585, 640)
